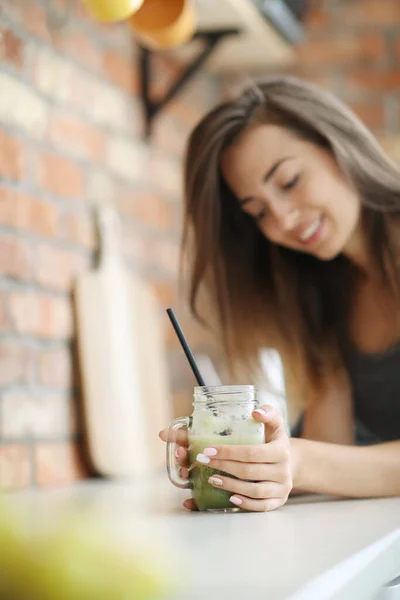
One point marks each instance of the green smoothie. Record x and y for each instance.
(215, 429)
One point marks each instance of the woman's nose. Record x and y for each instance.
(287, 217)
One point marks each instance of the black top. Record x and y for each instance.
(375, 380)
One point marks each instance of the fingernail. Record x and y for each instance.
(260, 411)
(201, 458)
(210, 452)
(177, 453)
(215, 481)
(236, 500)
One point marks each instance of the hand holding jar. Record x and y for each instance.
(233, 454)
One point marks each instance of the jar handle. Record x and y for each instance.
(174, 477)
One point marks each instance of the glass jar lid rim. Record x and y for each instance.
(223, 389)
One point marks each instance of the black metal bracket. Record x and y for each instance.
(152, 108)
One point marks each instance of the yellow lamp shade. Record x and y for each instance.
(110, 11)
(163, 24)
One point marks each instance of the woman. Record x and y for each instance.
(292, 212)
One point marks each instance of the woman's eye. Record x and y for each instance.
(259, 216)
(291, 183)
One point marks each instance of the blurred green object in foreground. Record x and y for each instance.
(74, 560)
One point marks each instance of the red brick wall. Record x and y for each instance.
(70, 136)
(353, 49)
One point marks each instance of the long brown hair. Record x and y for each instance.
(262, 294)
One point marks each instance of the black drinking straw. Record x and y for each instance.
(185, 346)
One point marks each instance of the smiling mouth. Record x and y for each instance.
(311, 234)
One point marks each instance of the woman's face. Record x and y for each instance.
(294, 190)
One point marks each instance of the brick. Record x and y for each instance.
(391, 144)
(83, 90)
(370, 12)
(138, 249)
(167, 256)
(375, 81)
(78, 228)
(341, 50)
(154, 211)
(81, 11)
(55, 367)
(61, 176)
(14, 362)
(77, 137)
(63, 5)
(16, 258)
(58, 464)
(4, 324)
(116, 35)
(21, 107)
(167, 137)
(165, 174)
(51, 74)
(100, 187)
(21, 211)
(12, 9)
(14, 208)
(123, 197)
(15, 467)
(165, 292)
(316, 17)
(25, 415)
(324, 80)
(11, 49)
(184, 113)
(103, 103)
(43, 218)
(56, 268)
(120, 71)
(78, 44)
(34, 20)
(12, 157)
(41, 315)
(126, 158)
(372, 115)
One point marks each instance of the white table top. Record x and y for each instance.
(313, 548)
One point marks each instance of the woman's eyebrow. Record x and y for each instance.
(267, 176)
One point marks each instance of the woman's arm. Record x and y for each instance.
(261, 477)
(352, 471)
(325, 460)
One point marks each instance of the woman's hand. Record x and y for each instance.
(264, 472)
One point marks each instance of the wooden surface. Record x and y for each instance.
(120, 347)
(256, 48)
